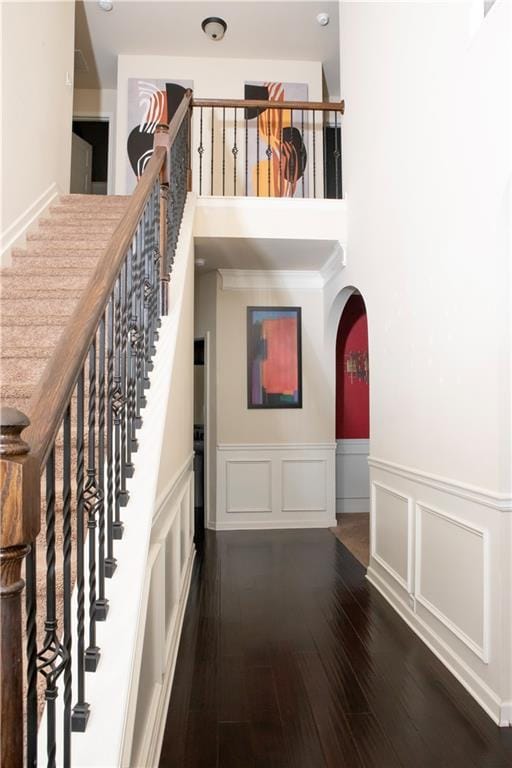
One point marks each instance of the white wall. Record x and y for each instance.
(427, 180)
(268, 468)
(214, 79)
(37, 94)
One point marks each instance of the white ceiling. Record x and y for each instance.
(286, 29)
(262, 253)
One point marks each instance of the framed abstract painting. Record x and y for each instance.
(274, 357)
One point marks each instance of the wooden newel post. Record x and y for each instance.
(17, 526)
(162, 140)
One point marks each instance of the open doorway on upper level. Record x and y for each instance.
(90, 151)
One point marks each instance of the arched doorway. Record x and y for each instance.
(353, 428)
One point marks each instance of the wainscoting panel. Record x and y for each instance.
(352, 476)
(440, 554)
(456, 596)
(248, 486)
(275, 486)
(391, 539)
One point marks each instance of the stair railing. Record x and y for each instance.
(268, 148)
(73, 462)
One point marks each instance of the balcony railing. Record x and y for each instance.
(267, 148)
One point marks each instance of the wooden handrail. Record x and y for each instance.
(55, 388)
(320, 106)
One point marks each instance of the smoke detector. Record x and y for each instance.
(105, 5)
(323, 19)
(214, 28)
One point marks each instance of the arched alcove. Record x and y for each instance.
(352, 424)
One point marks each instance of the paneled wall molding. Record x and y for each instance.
(172, 488)
(499, 501)
(404, 580)
(481, 650)
(270, 279)
(275, 486)
(13, 235)
(352, 476)
(499, 710)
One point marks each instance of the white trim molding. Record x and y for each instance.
(407, 582)
(458, 592)
(500, 501)
(275, 486)
(270, 279)
(16, 232)
(352, 477)
(481, 650)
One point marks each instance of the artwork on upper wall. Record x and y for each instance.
(274, 357)
(150, 102)
(277, 155)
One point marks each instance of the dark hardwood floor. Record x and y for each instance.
(290, 659)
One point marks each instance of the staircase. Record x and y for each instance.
(39, 292)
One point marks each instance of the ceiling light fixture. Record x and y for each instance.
(323, 19)
(105, 5)
(214, 28)
(200, 262)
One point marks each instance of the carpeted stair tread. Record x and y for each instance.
(51, 236)
(75, 224)
(59, 290)
(42, 280)
(67, 247)
(39, 307)
(59, 262)
(101, 200)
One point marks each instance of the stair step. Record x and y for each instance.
(39, 306)
(25, 370)
(44, 280)
(26, 320)
(72, 216)
(99, 200)
(79, 247)
(57, 290)
(56, 262)
(26, 337)
(61, 224)
(17, 352)
(56, 235)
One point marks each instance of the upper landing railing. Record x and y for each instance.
(267, 148)
(64, 484)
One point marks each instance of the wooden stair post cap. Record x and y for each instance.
(12, 424)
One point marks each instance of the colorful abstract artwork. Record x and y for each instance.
(274, 366)
(277, 155)
(150, 102)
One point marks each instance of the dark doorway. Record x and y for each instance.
(199, 451)
(95, 133)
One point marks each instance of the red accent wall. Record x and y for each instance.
(352, 396)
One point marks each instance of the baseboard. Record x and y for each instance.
(15, 233)
(262, 525)
(353, 506)
(150, 757)
(500, 712)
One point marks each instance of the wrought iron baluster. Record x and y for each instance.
(268, 151)
(200, 150)
(31, 625)
(123, 493)
(92, 501)
(281, 180)
(258, 154)
(139, 319)
(303, 145)
(235, 153)
(336, 155)
(212, 149)
(54, 656)
(223, 151)
(110, 561)
(80, 712)
(148, 256)
(67, 541)
(117, 407)
(324, 131)
(101, 602)
(246, 155)
(314, 155)
(130, 382)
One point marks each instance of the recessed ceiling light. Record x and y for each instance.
(105, 5)
(200, 262)
(214, 27)
(323, 19)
